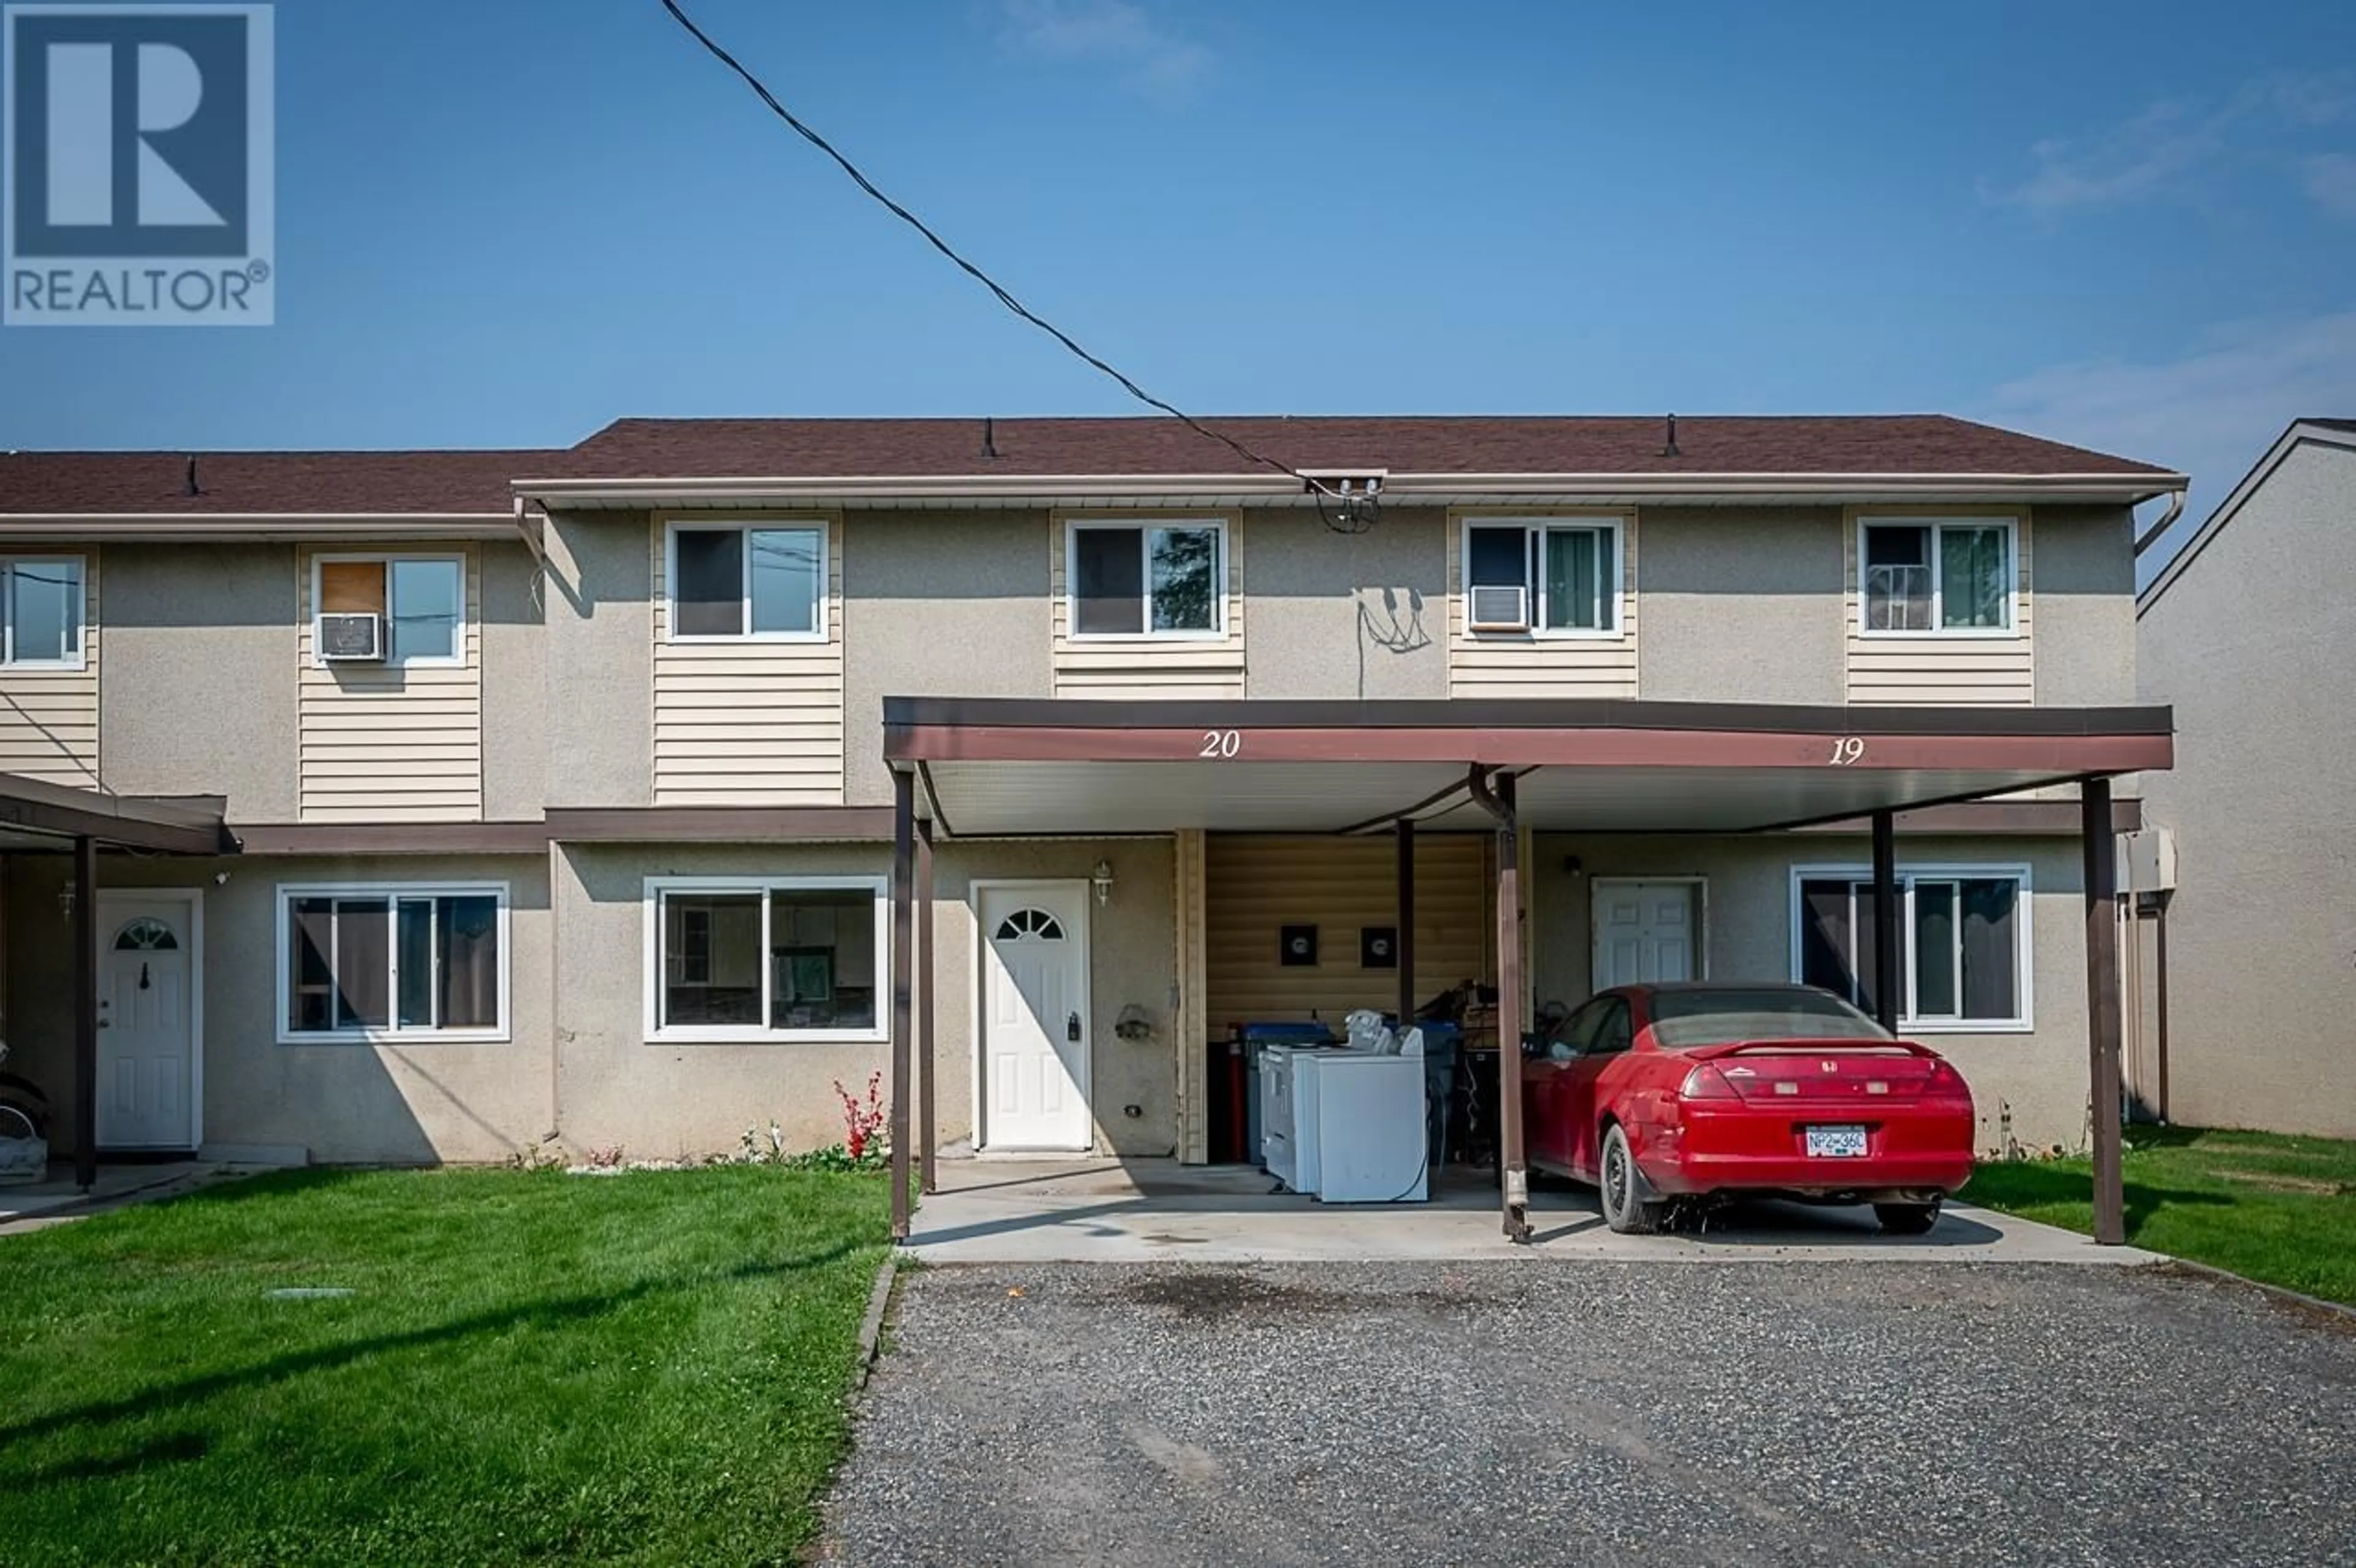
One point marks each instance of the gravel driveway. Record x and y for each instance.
(1605, 1412)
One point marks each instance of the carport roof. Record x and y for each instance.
(35, 814)
(992, 767)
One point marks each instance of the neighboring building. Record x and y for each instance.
(2250, 631)
(480, 798)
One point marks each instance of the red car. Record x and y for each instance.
(1683, 1093)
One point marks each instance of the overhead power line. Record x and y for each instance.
(1353, 518)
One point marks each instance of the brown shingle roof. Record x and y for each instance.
(1873, 444)
(427, 483)
(109, 483)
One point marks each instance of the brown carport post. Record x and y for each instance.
(1886, 981)
(928, 1175)
(1403, 944)
(903, 834)
(85, 968)
(1513, 1175)
(2103, 1005)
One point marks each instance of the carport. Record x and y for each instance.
(40, 817)
(995, 768)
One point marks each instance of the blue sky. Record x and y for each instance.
(507, 223)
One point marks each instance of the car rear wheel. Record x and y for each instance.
(1623, 1209)
(1907, 1218)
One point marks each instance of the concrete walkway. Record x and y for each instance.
(57, 1199)
(1142, 1210)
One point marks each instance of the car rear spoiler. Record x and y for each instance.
(1836, 1047)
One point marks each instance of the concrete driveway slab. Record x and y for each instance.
(1145, 1210)
(1595, 1412)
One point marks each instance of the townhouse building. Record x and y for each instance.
(429, 806)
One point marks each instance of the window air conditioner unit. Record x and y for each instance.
(351, 638)
(1500, 609)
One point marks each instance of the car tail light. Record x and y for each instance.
(1945, 1079)
(1706, 1082)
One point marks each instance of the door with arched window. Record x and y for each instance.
(1034, 1022)
(149, 1075)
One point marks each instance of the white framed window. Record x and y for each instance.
(766, 959)
(43, 611)
(420, 601)
(1163, 578)
(1551, 577)
(1966, 951)
(1955, 577)
(761, 581)
(392, 961)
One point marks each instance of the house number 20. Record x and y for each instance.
(1221, 743)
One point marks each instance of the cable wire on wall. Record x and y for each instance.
(1356, 512)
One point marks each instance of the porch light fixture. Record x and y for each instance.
(1101, 879)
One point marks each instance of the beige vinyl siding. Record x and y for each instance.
(748, 723)
(1126, 669)
(48, 718)
(1522, 664)
(1978, 671)
(1254, 886)
(1193, 1028)
(391, 742)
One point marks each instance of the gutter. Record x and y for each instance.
(652, 491)
(170, 526)
(2151, 535)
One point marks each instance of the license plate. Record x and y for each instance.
(1835, 1143)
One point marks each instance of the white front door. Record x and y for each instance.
(1034, 1010)
(147, 1011)
(1646, 932)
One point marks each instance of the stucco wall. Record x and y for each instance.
(2083, 574)
(936, 604)
(2252, 645)
(1345, 616)
(410, 1103)
(2040, 1075)
(198, 688)
(599, 659)
(515, 690)
(1741, 605)
(616, 1087)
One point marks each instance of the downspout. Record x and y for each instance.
(2151, 535)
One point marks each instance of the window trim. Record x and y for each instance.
(1146, 525)
(352, 558)
(8, 659)
(822, 619)
(2024, 935)
(2010, 522)
(1540, 524)
(655, 1032)
(392, 893)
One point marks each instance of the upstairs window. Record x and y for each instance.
(1962, 936)
(1154, 580)
(419, 602)
(765, 582)
(41, 612)
(1926, 576)
(1543, 576)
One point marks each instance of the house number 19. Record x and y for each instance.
(1847, 749)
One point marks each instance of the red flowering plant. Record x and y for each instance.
(863, 1138)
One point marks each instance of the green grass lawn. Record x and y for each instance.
(2281, 1209)
(641, 1368)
